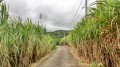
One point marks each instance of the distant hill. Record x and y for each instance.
(59, 33)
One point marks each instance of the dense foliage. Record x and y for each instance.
(98, 37)
(22, 43)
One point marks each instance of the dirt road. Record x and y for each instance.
(61, 58)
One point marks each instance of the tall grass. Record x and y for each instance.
(22, 43)
(98, 38)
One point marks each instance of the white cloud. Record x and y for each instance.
(57, 14)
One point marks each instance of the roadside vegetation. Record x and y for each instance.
(98, 37)
(22, 42)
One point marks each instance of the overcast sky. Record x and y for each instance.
(57, 14)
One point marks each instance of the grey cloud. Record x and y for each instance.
(56, 14)
(61, 19)
(19, 8)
